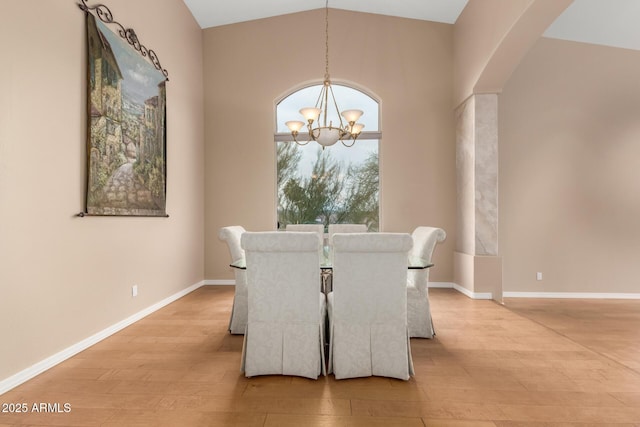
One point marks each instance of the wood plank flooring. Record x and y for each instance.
(525, 363)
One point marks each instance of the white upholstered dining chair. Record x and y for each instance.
(345, 228)
(317, 228)
(341, 228)
(368, 306)
(231, 235)
(285, 329)
(418, 307)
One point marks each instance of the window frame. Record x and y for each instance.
(364, 135)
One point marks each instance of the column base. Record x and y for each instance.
(478, 274)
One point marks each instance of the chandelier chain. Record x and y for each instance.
(327, 135)
(326, 40)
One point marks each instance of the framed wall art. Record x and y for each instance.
(126, 121)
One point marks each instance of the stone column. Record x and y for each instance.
(477, 266)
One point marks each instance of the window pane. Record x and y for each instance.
(336, 185)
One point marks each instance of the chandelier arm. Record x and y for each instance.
(326, 104)
(312, 134)
(295, 134)
(300, 143)
(318, 103)
(348, 145)
(335, 104)
(312, 137)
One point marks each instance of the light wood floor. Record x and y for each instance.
(527, 363)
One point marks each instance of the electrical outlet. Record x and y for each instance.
(134, 291)
(539, 275)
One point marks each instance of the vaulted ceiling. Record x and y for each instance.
(611, 23)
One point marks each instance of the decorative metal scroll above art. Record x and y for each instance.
(126, 122)
(105, 15)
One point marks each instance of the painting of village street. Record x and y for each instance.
(126, 173)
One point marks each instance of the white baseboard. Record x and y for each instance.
(51, 361)
(462, 290)
(446, 285)
(220, 282)
(472, 295)
(572, 295)
(568, 295)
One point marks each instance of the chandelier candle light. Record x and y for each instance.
(323, 134)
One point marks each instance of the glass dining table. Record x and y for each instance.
(413, 264)
(326, 269)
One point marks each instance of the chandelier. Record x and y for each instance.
(316, 116)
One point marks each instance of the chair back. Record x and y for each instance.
(238, 319)
(368, 305)
(345, 228)
(232, 235)
(425, 240)
(318, 228)
(285, 304)
(424, 243)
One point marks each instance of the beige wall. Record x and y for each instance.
(406, 63)
(569, 176)
(64, 278)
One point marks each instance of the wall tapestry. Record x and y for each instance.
(126, 146)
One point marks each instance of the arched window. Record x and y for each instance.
(338, 184)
